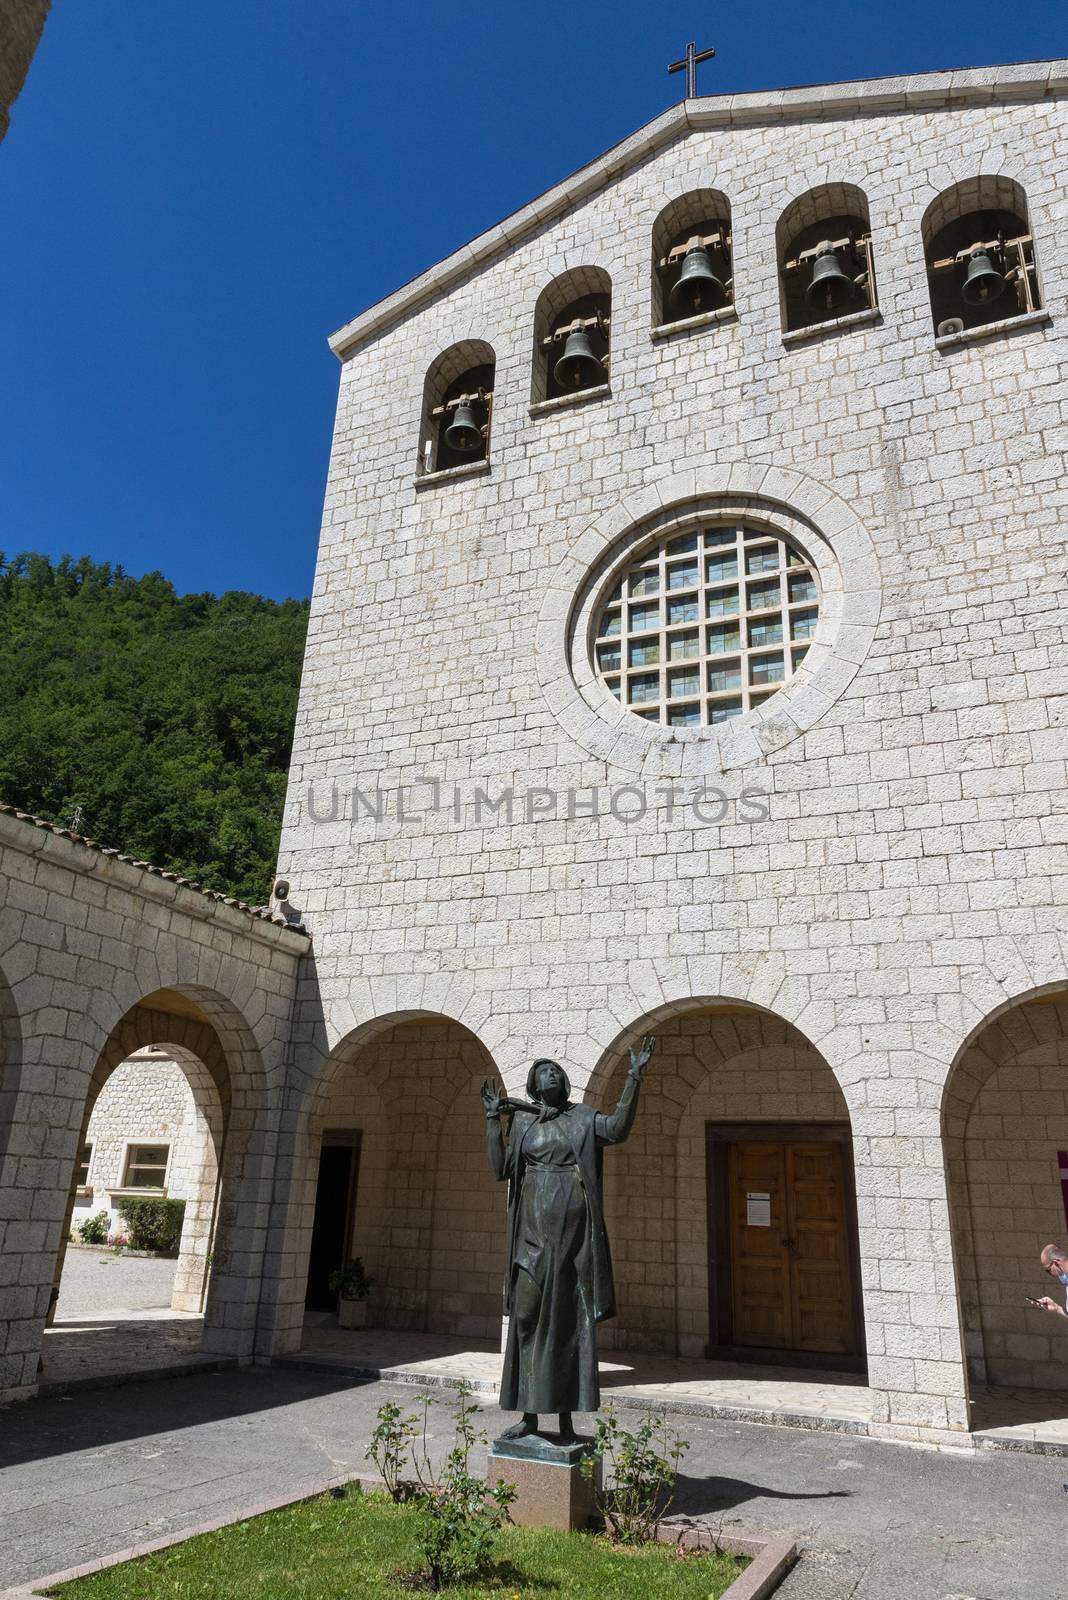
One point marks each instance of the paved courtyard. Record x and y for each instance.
(102, 1470)
(97, 1282)
(114, 1318)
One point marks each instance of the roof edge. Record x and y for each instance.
(35, 835)
(946, 90)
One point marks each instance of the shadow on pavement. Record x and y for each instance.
(697, 1496)
(95, 1418)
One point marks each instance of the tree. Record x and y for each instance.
(167, 718)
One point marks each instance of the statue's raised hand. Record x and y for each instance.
(492, 1095)
(640, 1058)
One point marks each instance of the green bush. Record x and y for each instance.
(641, 1466)
(153, 1224)
(460, 1520)
(459, 1523)
(94, 1230)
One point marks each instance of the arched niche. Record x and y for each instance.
(1004, 1120)
(701, 220)
(580, 296)
(464, 374)
(979, 254)
(729, 1077)
(427, 1217)
(824, 252)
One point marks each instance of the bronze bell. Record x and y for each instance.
(463, 432)
(982, 281)
(578, 367)
(697, 289)
(830, 288)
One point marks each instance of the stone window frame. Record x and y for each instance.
(657, 561)
(840, 202)
(83, 1166)
(559, 296)
(808, 513)
(956, 203)
(687, 213)
(128, 1164)
(451, 364)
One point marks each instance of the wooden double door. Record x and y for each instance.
(783, 1238)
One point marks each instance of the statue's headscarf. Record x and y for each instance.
(547, 1112)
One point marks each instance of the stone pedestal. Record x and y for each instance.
(553, 1490)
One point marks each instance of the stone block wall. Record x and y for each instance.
(90, 947)
(902, 877)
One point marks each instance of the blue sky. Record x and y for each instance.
(192, 196)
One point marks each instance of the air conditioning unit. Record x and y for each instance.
(950, 325)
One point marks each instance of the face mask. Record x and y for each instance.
(1063, 1276)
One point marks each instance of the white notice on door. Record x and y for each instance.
(758, 1210)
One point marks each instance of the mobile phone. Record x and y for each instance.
(1031, 1302)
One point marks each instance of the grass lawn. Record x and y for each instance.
(323, 1549)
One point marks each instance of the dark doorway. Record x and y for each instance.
(784, 1278)
(335, 1204)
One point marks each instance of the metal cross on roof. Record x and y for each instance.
(689, 61)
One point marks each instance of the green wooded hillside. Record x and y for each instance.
(168, 718)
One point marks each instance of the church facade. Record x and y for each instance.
(686, 658)
(683, 659)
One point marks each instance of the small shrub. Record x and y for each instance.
(391, 1445)
(94, 1230)
(459, 1522)
(640, 1467)
(153, 1224)
(351, 1282)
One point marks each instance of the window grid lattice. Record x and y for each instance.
(146, 1166)
(706, 625)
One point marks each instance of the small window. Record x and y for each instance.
(146, 1166)
(81, 1170)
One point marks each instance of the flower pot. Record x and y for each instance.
(352, 1313)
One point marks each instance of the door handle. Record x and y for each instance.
(790, 1244)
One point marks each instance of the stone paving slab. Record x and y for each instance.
(98, 1282)
(86, 1476)
(838, 1402)
(101, 1351)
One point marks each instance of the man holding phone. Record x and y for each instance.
(1054, 1261)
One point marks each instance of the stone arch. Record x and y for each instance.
(697, 211)
(827, 211)
(1004, 1118)
(981, 206)
(205, 1034)
(578, 291)
(426, 1204)
(719, 1062)
(468, 364)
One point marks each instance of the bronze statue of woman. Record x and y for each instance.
(559, 1283)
